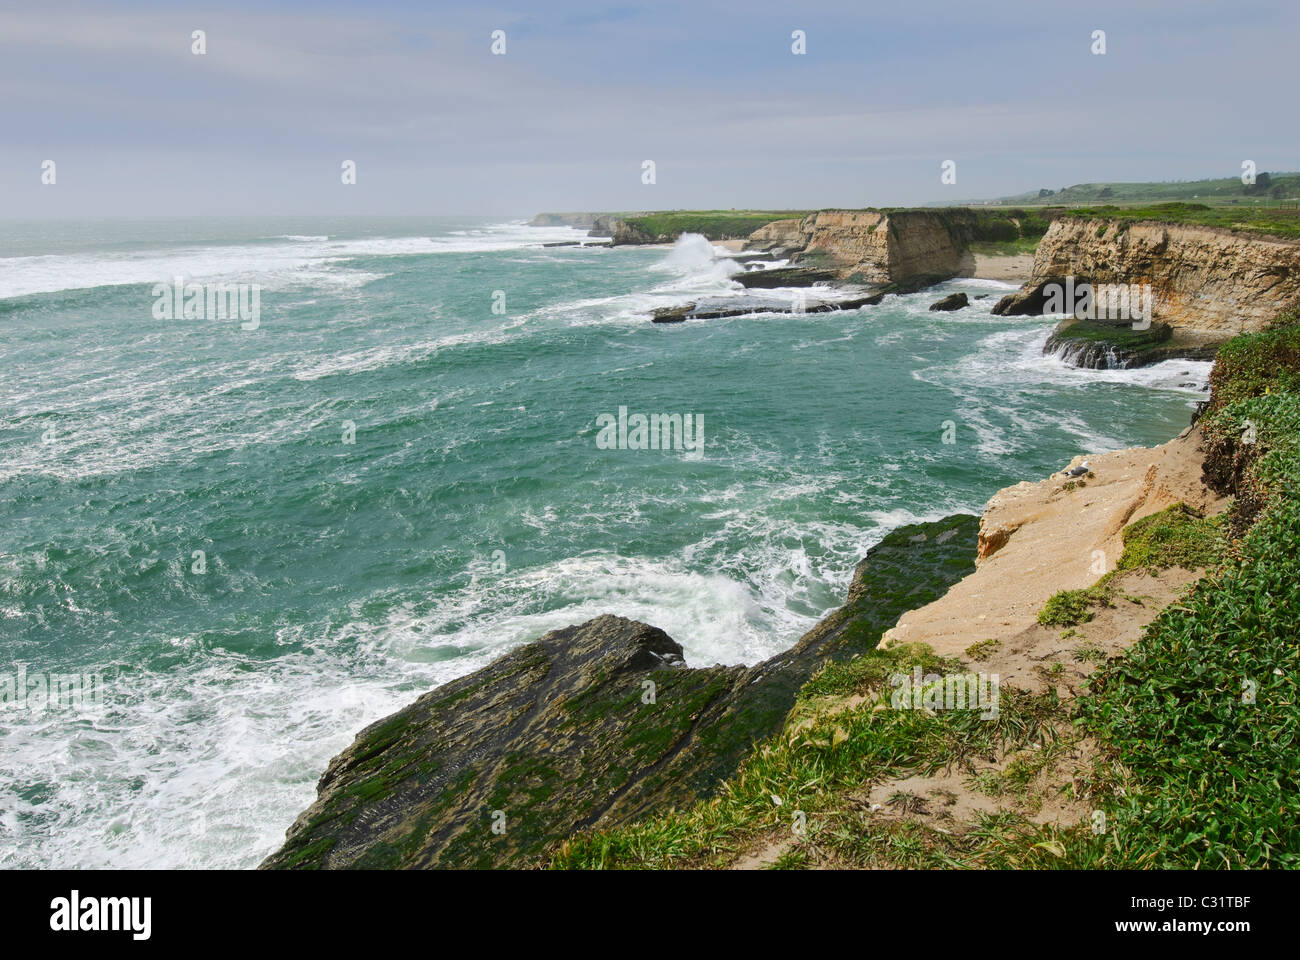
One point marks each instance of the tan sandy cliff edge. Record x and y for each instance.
(1040, 538)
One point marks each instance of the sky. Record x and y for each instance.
(137, 124)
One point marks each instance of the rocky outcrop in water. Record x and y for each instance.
(699, 311)
(785, 277)
(593, 725)
(954, 301)
(880, 247)
(874, 246)
(1117, 346)
(902, 247)
(605, 225)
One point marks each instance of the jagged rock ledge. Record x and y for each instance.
(796, 277)
(698, 310)
(597, 724)
(1101, 345)
(784, 277)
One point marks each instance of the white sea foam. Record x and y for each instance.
(300, 260)
(986, 284)
(696, 270)
(199, 766)
(207, 763)
(1015, 362)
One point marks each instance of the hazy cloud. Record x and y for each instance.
(437, 124)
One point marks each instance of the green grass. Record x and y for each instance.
(714, 224)
(1222, 190)
(1214, 778)
(1177, 536)
(1204, 712)
(865, 673)
(1174, 537)
(1274, 221)
(1249, 420)
(1120, 335)
(812, 767)
(983, 650)
(1257, 363)
(1069, 608)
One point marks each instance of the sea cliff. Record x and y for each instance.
(598, 746)
(1142, 719)
(1209, 284)
(880, 247)
(916, 247)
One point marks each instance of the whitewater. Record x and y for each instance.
(396, 478)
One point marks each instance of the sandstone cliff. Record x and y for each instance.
(779, 235)
(1037, 538)
(1209, 283)
(911, 248)
(880, 246)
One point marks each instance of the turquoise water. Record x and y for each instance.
(474, 509)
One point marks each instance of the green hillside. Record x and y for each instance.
(1267, 188)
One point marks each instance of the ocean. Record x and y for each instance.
(262, 537)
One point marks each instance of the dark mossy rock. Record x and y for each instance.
(784, 277)
(1027, 302)
(953, 301)
(723, 308)
(1031, 300)
(563, 733)
(672, 314)
(853, 303)
(1102, 345)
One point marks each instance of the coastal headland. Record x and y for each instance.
(1075, 598)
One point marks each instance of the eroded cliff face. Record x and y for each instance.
(1059, 533)
(779, 234)
(612, 225)
(885, 247)
(875, 246)
(1206, 280)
